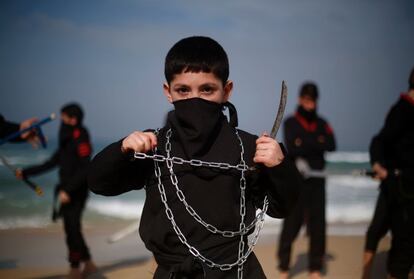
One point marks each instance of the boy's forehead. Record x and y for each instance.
(195, 77)
(65, 115)
(307, 98)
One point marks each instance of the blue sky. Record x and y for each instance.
(108, 56)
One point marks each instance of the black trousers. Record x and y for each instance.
(310, 210)
(72, 213)
(401, 254)
(380, 222)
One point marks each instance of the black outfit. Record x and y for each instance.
(380, 223)
(307, 136)
(393, 148)
(7, 128)
(72, 158)
(199, 131)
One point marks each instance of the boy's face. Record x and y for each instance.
(197, 85)
(66, 119)
(307, 103)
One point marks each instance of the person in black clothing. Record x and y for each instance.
(192, 211)
(392, 159)
(72, 158)
(307, 137)
(8, 128)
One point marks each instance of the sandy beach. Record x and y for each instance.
(41, 253)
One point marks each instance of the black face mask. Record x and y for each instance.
(65, 133)
(308, 115)
(196, 122)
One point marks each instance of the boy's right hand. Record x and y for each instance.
(381, 173)
(19, 174)
(30, 136)
(139, 142)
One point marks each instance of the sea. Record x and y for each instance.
(350, 197)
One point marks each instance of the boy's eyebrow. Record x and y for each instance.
(181, 85)
(208, 84)
(212, 84)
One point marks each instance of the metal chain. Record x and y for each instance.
(213, 229)
(242, 256)
(242, 207)
(192, 162)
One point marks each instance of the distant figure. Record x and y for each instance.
(8, 128)
(307, 137)
(392, 159)
(72, 158)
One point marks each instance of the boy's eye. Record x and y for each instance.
(207, 90)
(182, 90)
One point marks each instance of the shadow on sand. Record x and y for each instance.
(379, 266)
(301, 264)
(103, 269)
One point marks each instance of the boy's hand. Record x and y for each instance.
(64, 197)
(19, 174)
(30, 136)
(381, 173)
(139, 142)
(268, 151)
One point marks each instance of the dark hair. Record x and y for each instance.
(411, 80)
(73, 110)
(197, 54)
(310, 90)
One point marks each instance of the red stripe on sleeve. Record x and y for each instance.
(84, 149)
(328, 129)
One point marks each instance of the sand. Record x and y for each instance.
(41, 253)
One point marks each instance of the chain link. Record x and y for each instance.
(243, 229)
(192, 162)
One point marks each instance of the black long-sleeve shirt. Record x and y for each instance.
(393, 146)
(73, 159)
(8, 128)
(214, 195)
(309, 139)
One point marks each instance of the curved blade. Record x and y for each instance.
(280, 111)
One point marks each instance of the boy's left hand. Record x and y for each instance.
(268, 151)
(64, 197)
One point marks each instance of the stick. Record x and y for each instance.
(124, 232)
(307, 172)
(29, 183)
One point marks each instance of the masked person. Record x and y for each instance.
(72, 158)
(392, 159)
(307, 137)
(199, 206)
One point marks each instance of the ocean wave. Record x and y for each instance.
(24, 222)
(117, 208)
(351, 181)
(349, 213)
(347, 157)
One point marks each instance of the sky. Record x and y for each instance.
(108, 56)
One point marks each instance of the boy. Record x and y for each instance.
(392, 153)
(72, 157)
(196, 215)
(307, 137)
